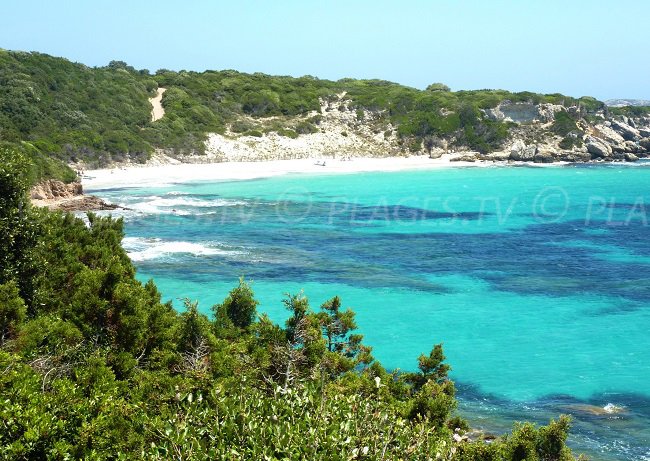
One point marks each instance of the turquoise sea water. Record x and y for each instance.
(537, 280)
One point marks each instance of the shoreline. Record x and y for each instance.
(154, 175)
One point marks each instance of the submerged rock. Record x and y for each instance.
(609, 409)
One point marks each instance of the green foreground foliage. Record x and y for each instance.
(94, 365)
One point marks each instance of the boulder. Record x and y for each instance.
(619, 148)
(597, 148)
(498, 156)
(645, 144)
(575, 156)
(625, 130)
(470, 157)
(631, 157)
(544, 156)
(606, 133)
(436, 152)
(520, 152)
(644, 132)
(631, 147)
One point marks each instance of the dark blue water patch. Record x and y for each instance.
(390, 213)
(306, 250)
(621, 307)
(640, 206)
(299, 239)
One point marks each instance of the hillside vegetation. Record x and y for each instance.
(94, 365)
(53, 108)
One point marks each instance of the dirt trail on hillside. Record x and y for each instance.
(157, 111)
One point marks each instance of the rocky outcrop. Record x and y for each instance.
(83, 203)
(53, 189)
(625, 130)
(606, 133)
(57, 195)
(522, 153)
(466, 157)
(598, 148)
(645, 144)
(545, 156)
(343, 130)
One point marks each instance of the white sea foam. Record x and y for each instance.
(193, 202)
(176, 204)
(145, 249)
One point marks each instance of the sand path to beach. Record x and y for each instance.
(157, 111)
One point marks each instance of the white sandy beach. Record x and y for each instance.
(145, 175)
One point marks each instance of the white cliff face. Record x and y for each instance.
(341, 133)
(523, 112)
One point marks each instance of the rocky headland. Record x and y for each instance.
(538, 133)
(56, 195)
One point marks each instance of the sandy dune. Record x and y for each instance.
(157, 111)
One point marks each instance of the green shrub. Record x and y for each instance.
(287, 133)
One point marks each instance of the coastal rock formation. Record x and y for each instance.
(645, 144)
(57, 195)
(598, 148)
(83, 203)
(342, 130)
(466, 157)
(626, 131)
(53, 189)
(606, 133)
(544, 156)
(520, 152)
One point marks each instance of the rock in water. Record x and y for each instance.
(544, 156)
(609, 409)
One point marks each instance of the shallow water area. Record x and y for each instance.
(537, 280)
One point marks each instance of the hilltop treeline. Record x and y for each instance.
(94, 365)
(67, 111)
